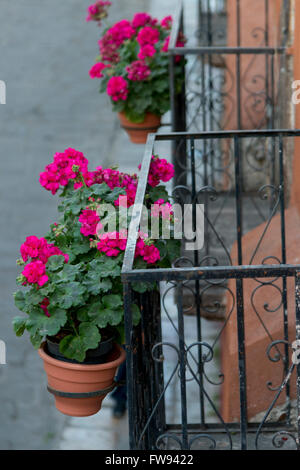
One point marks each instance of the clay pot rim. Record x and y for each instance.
(82, 367)
(155, 120)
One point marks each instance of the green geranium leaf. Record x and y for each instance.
(39, 324)
(159, 192)
(100, 190)
(81, 246)
(69, 295)
(33, 298)
(106, 267)
(19, 325)
(36, 340)
(94, 285)
(114, 194)
(75, 346)
(70, 271)
(112, 301)
(107, 312)
(55, 263)
(107, 316)
(90, 335)
(19, 298)
(105, 285)
(94, 308)
(82, 314)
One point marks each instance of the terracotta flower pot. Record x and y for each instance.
(138, 133)
(65, 378)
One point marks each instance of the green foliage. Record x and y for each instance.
(39, 323)
(19, 325)
(74, 346)
(159, 192)
(84, 293)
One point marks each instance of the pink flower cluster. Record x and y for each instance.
(39, 249)
(90, 221)
(35, 273)
(116, 179)
(149, 253)
(148, 35)
(146, 51)
(138, 71)
(98, 11)
(97, 69)
(160, 170)
(162, 207)
(113, 243)
(117, 88)
(147, 38)
(143, 26)
(113, 38)
(166, 22)
(142, 19)
(65, 167)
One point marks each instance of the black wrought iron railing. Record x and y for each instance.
(234, 76)
(218, 372)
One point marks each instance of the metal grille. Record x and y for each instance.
(175, 354)
(234, 77)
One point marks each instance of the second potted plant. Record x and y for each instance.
(134, 70)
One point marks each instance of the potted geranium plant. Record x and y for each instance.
(134, 70)
(71, 288)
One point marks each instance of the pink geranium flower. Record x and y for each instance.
(90, 222)
(97, 69)
(98, 11)
(138, 71)
(151, 254)
(39, 249)
(113, 39)
(166, 22)
(146, 51)
(35, 273)
(31, 248)
(160, 170)
(141, 19)
(148, 35)
(113, 243)
(117, 88)
(65, 167)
